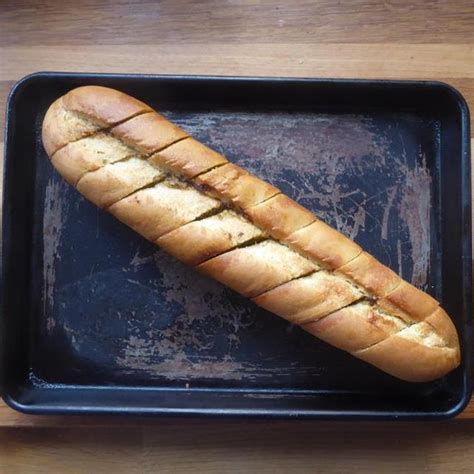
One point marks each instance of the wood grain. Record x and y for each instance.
(432, 39)
(135, 22)
(236, 446)
(311, 60)
(451, 63)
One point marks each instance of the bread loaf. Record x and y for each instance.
(245, 233)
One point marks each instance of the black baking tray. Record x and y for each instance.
(95, 319)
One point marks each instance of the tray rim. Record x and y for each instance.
(466, 224)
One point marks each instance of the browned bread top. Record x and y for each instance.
(244, 232)
(84, 111)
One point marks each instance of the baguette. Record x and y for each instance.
(231, 225)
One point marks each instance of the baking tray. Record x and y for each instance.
(97, 320)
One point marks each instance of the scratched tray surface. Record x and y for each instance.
(117, 309)
(107, 308)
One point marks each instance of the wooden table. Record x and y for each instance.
(352, 39)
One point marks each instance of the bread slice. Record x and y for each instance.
(211, 236)
(355, 327)
(77, 158)
(159, 209)
(324, 245)
(257, 268)
(365, 271)
(420, 355)
(309, 298)
(235, 186)
(84, 111)
(115, 181)
(147, 133)
(281, 215)
(188, 157)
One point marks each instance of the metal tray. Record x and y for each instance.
(97, 320)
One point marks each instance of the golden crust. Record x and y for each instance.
(148, 132)
(255, 269)
(369, 273)
(409, 360)
(309, 298)
(233, 184)
(280, 216)
(408, 302)
(188, 157)
(203, 239)
(113, 182)
(324, 244)
(89, 154)
(354, 327)
(157, 210)
(104, 105)
(444, 326)
(61, 127)
(84, 111)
